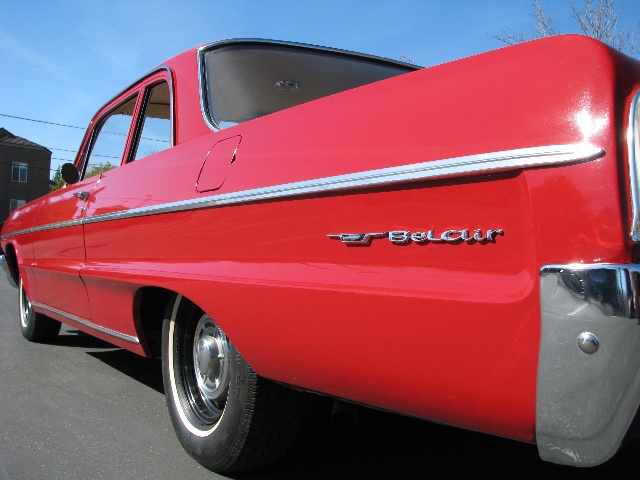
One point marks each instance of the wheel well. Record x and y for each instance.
(12, 262)
(150, 305)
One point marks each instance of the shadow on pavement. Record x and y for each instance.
(383, 445)
(379, 445)
(147, 371)
(79, 339)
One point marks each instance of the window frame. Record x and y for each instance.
(20, 165)
(95, 134)
(148, 88)
(142, 89)
(207, 109)
(19, 203)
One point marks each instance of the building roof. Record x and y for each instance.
(6, 137)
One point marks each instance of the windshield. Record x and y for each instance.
(247, 80)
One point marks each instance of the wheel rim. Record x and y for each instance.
(208, 377)
(25, 307)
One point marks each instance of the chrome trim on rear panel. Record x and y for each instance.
(587, 394)
(633, 150)
(481, 164)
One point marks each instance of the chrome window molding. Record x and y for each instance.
(202, 80)
(172, 113)
(633, 149)
(202, 87)
(86, 323)
(481, 164)
(142, 115)
(94, 125)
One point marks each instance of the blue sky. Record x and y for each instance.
(61, 61)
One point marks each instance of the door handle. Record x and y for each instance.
(82, 195)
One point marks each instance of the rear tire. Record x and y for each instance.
(35, 326)
(226, 416)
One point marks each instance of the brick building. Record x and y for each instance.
(24, 172)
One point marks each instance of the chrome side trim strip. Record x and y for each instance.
(633, 150)
(431, 170)
(480, 164)
(49, 226)
(86, 323)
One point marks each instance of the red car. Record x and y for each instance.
(457, 243)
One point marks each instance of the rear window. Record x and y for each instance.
(244, 81)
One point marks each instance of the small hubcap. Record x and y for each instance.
(25, 308)
(211, 362)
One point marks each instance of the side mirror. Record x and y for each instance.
(69, 173)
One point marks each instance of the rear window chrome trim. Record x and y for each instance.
(480, 164)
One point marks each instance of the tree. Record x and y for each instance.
(596, 18)
(406, 59)
(95, 169)
(98, 168)
(57, 180)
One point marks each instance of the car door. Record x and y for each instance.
(59, 252)
(117, 191)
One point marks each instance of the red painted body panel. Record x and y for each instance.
(59, 253)
(445, 332)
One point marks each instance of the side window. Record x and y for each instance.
(110, 141)
(155, 122)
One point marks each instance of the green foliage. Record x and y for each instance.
(98, 168)
(57, 180)
(95, 169)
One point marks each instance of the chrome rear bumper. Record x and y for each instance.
(589, 363)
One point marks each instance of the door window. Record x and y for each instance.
(155, 122)
(110, 140)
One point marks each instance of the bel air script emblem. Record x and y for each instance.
(403, 237)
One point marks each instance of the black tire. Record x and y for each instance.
(226, 416)
(34, 326)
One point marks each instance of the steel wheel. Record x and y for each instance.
(208, 382)
(225, 415)
(26, 310)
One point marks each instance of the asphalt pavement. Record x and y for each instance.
(82, 408)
